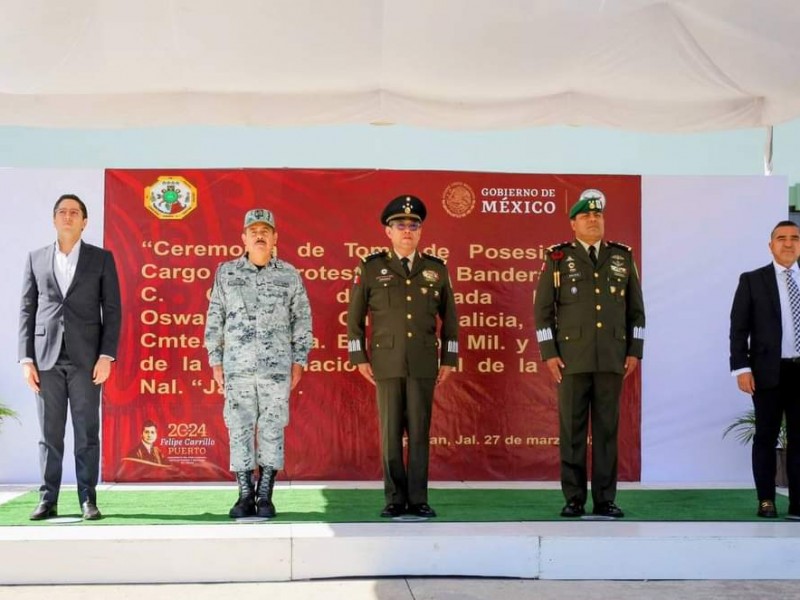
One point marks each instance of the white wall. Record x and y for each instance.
(698, 235)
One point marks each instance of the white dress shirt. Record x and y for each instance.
(410, 258)
(596, 247)
(65, 265)
(788, 349)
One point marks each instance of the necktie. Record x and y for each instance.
(404, 262)
(593, 255)
(794, 302)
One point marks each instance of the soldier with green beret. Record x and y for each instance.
(407, 295)
(589, 314)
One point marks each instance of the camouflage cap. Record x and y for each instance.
(590, 200)
(259, 215)
(404, 207)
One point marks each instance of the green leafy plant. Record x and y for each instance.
(744, 428)
(7, 413)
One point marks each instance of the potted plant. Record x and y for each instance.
(6, 413)
(744, 428)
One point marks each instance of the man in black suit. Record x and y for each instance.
(68, 335)
(765, 359)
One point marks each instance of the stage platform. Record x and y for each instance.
(248, 552)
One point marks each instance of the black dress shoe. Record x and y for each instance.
(90, 511)
(393, 510)
(608, 509)
(573, 509)
(44, 510)
(421, 510)
(766, 509)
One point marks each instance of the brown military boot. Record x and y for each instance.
(266, 483)
(246, 504)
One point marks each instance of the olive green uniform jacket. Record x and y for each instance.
(403, 315)
(591, 317)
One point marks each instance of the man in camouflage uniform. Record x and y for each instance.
(404, 291)
(258, 335)
(589, 314)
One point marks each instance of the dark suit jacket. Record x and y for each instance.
(756, 330)
(88, 316)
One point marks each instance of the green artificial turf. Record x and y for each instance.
(294, 505)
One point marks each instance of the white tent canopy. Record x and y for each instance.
(648, 65)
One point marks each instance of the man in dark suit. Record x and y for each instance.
(765, 359)
(404, 291)
(68, 335)
(589, 315)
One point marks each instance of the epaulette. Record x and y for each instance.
(374, 255)
(620, 245)
(434, 258)
(558, 246)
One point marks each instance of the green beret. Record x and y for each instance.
(590, 200)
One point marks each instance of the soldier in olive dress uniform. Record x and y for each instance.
(589, 315)
(406, 293)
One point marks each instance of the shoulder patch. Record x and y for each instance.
(620, 245)
(434, 258)
(558, 246)
(374, 255)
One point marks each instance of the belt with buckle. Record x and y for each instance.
(793, 360)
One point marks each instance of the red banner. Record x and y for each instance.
(496, 419)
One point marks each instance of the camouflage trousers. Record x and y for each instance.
(256, 413)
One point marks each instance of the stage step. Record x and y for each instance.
(282, 552)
